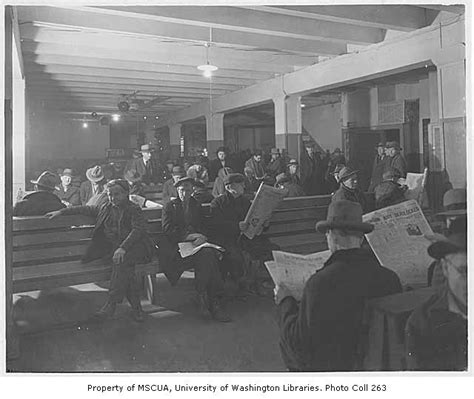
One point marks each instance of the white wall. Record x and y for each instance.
(324, 124)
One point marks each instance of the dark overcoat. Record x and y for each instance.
(37, 204)
(356, 195)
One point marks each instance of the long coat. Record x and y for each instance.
(398, 163)
(378, 168)
(388, 193)
(37, 204)
(322, 332)
(169, 191)
(312, 174)
(356, 195)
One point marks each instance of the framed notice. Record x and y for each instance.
(436, 142)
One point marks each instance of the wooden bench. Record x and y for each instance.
(47, 253)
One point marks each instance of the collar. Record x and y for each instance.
(343, 254)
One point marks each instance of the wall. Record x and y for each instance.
(324, 124)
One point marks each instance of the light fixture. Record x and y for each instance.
(115, 117)
(144, 117)
(208, 68)
(303, 105)
(85, 125)
(157, 117)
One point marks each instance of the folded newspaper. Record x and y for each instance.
(294, 270)
(187, 248)
(265, 202)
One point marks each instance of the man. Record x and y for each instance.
(349, 188)
(167, 170)
(66, 192)
(395, 160)
(292, 171)
(42, 200)
(436, 332)
(198, 171)
(182, 221)
(455, 205)
(311, 171)
(257, 165)
(321, 332)
(337, 158)
(119, 237)
(283, 181)
(217, 164)
(218, 187)
(169, 190)
(276, 164)
(94, 184)
(378, 167)
(388, 191)
(145, 168)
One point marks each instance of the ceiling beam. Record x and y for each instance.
(455, 9)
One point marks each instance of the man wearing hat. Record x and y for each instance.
(222, 161)
(349, 188)
(337, 158)
(119, 237)
(67, 193)
(292, 171)
(436, 332)
(455, 206)
(42, 200)
(312, 173)
(388, 192)
(276, 164)
(321, 332)
(256, 163)
(395, 160)
(145, 168)
(94, 185)
(378, 167)
(169, 190)
(182, 220)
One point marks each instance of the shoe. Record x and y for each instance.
(105, 312)
(218, 313)
(203, 305)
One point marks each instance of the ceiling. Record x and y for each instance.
(84, 59)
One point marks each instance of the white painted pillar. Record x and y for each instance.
(214, 132)
(175, 140)
(279, 104)
(294, 126)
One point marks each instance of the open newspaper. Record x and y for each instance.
(265, 202)
(398, 240)
(187, 248)
(294, 270)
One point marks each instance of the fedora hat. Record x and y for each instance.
(146, 148)
(46, 179)
(393, 144)
(345, 215)
(177, 171)
(67, 172)
(338, 168)
(380, 144)
(95, 174)
(292, 162)
(346, 172)
(275, 151)
(455, 240)
(454, 202)
(180, 182)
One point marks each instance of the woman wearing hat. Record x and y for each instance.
(94, 184)
(321, 332)
(349, 188)
(67, 193)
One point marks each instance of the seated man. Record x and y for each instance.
(169, 190)
(42, 200)
(436, 332)
(321, 333)
(120, 237)
(218, 187)
(182, 221)
(388, 191)
(284, 181)
(94, 185)
(349, 188)
(145, 169)
(198, 171)
(67, 193)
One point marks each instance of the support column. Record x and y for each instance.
(214, 132)
(175, 140)
(288, 124)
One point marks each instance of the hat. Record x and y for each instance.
(338, 168)
(46, 179)
(346, 215)
(67, 172)
(455, 240)
(183, 180)
(380, 144)
(346, 172)
(234, 178)
(177, 171)
(146, 148)
(275, 151)
(292, 162)
(454, 202)
(119, 182)
(282, 178)
(393, 144)
(95, 174)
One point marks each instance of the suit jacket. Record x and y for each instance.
(71, 194)
(85, 191)
(312, 174)
(378, 168)
(257, 167)
(37, 204)
(169, 191)
(215, 165)
(344, 193)
(398, 163)
(323, 331)
(139, 172)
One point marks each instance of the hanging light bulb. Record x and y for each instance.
(208, 68)
(85, 125)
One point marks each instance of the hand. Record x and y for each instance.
(281, 291)
(199, 240)
(119, 255)
(196, 238)
(53, 214)
(66, 203)
(243, 226)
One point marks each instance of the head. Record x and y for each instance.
(348, 177)
(185, 189)
(454, 204)
(95, 174)
(310, 149)
(46, 181)
(275, 154)
(169, 165)
(66, 177)
(221, 153)
(343, 239)
(146, 150)
(257, 155)
(293, 167)
(117, 191)
(177, 173)
(235, 184)
(146, 155)
(392, 148)
(380, 149)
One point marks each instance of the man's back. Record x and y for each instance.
(37, 204)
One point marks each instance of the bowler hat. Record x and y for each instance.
(177, 171)
(292, 162)
(67, 172)
(275, 151)
(344, 215)
(95, 174)
(393, 144)
(234, 178)
(455, 241)
(46, 179)
(146, 148)
(183, 180)
(454, 202)
(346, 172)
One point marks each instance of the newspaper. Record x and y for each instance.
(415, 183)
(398, 240)
(187, 248)
(266, 200)
(294, 270)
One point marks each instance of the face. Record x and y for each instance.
(221, 155)
(351, 182)
(176, 178)
(455, 270)
(169, 166)
(275, 156)
(310, 150)
(117, 195)
(184, 191)
(293, 169)
(66, 180)
(380, 150)
(146, 156)
(391, 152)
(236, 189)
(258, 158)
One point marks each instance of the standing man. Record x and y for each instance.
(311, 171)
(182, 221)
(94, 184)
(395, 159)
(349, 188)
(321, 332)
(378, 167)
(145, 168)
(119, 237)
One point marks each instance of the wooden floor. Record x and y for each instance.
(172, 339)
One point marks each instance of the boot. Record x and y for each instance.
(105, 312)
(203, 305)
(218, 313)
